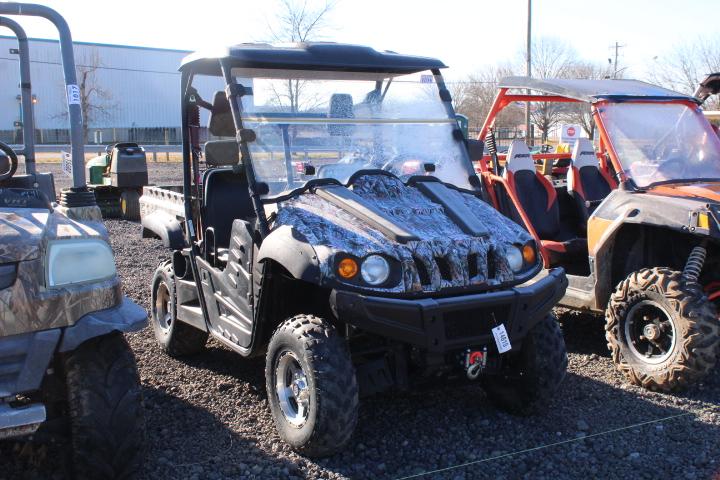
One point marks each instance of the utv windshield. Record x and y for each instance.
(333, 124)
(662, 142)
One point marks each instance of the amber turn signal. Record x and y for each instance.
(347, 268)
(528, 253)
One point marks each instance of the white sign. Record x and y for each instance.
(67, 164)
(73, 95)
(501, 338)
(426, 79)
(570, 133)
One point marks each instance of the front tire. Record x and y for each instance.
(175, 337)
(535, 372)
(662, 331)
(105, 407)
(311, 385)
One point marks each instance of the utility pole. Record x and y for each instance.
(528, 72)
(617, 48)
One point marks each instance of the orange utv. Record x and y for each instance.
(634, 222)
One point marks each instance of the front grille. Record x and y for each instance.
(422, 271)
(473, 322)
(479, 269)
(444, 268)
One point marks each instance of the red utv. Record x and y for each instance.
(634, 223)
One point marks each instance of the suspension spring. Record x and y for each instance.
(694, 264)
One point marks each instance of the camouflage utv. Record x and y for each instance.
(63, 360)
(342, 232)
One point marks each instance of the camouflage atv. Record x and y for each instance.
(63, 359)
(346, 238)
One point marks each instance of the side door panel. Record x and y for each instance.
(229, 291)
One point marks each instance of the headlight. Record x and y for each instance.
(515, 258)
(375, 270)
(78, 261)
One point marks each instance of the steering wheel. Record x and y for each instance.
(13, 162)
(672, 167)
(406, 165)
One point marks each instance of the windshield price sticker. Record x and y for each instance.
(501, 338)
(67, 164)
(73, 95)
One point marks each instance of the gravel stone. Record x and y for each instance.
(208, 416)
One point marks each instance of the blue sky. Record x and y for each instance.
(467, 34)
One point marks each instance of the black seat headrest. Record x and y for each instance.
(221, 121)
(222, 153)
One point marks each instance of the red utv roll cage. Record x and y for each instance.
(606, 154)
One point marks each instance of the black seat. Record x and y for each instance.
(226, 198)
(538, 199)
(220, 122)
(587, 184)
(222, 153)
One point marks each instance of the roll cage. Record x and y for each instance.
(596, 93)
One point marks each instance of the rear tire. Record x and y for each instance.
(535, 372)
(130, 205)
(311, 386)
(175, 337)
(687, 330)
(105, 409)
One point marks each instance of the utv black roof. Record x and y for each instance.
(308, 56)
(595, 90)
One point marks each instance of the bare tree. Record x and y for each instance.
(551, 58)
(95, 101)
(298, 21)
(473, 97)
(580, 113)
(687, 65)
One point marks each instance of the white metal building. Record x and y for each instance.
(139, 89)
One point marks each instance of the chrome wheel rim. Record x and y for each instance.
(291, 387)
(650, 332)
(163, 312)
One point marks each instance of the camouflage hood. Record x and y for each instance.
(25, 232)
(26, 304)
(441, 237)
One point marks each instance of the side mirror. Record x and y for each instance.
(475, 149)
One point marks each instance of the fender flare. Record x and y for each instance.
(290, 249)
(126, 317)
(166, 227)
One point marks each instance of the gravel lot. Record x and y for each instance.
(208, 416)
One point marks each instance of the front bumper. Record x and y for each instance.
(445, 324)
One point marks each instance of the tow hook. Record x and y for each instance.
(475, 362)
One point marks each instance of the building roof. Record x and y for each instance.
(594, 90)
(95, 44)
(308, 56)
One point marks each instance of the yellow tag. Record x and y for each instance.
(703, 221)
